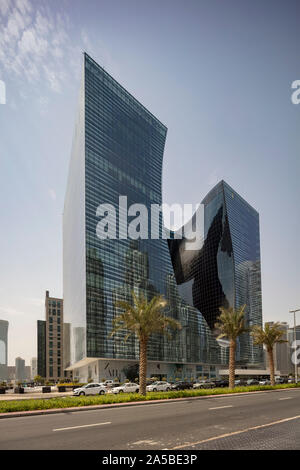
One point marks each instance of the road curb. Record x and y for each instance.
(19, 414)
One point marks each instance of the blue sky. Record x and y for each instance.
(218, 73)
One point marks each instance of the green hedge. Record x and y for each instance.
(68, 402)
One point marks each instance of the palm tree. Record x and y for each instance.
(143, 318)
(231, 324)
(268, 336)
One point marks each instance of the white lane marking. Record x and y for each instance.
(125, 407)
(219, 407)
(285, 398)
(168, 403)
(82, 426)
(222, 436)
(149, 441)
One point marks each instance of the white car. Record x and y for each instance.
(108, 383)
(264, 382)
(159, 387)
(90, 389)
(126, 388)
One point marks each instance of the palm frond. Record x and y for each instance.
(143, 318)
(231, 323)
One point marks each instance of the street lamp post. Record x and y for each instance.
(295, 338)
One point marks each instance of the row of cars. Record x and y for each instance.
(241, 382)
(128, 387)
(162, 386)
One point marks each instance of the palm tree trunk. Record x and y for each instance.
(271, 364)
(232, 348)
(143, 365)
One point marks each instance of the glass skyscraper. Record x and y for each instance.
(117, 151)
(224, 270)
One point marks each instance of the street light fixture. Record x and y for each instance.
(295, 338)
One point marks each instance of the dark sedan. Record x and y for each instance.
(182, 386)
(221, 383)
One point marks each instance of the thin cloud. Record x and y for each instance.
(35, 46)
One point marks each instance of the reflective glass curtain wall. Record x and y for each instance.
(224, 270)
(118, 150)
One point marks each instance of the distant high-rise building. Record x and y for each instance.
(50, 340)
(281, 351)
(11, 373)
(3, 349)
(33, 364)
(41, 348)
(20, 372)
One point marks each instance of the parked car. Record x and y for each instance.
(204, 384)
(240, 382)
(291, 380)
(90, 389)
(111, 383)
(128, 387)
(221, 383)
(265, 382)
(181, 385)
(252, 382)
(159, 386)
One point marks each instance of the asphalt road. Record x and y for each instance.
(256, 421)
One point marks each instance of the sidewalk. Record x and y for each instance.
(32, 395)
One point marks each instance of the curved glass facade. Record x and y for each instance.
(118, 150)
(225, 268)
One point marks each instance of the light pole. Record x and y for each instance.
(295, 338)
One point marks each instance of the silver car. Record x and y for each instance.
(159, 386)
(265, 382)
(204, 384)
(128, 387)
(90, 389)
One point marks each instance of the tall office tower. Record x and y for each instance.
(50, 340)
(3, 349)
(224, 268)
(117, 151)
(54, 337)
(20, 372)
